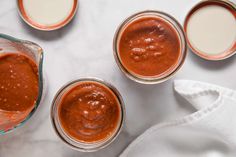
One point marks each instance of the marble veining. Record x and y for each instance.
(84, 48)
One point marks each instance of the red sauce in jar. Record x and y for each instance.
(18, 88)
(89, 112)
(149, 47)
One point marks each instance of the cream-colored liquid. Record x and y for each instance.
(48, 12)
(212, 30)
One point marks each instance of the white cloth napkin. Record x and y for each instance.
(209, 132)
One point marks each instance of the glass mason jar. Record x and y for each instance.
(10, 44)
(168, 73)
(69, 140)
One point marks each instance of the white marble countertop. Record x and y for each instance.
(84, 48)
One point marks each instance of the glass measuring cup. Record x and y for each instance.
(10, 120)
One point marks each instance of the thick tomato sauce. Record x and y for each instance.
(149, 47)
(18, 82)
(89, 112)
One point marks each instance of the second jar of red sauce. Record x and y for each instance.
(150, 47)
(88, 114)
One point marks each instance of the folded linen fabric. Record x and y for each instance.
(209, 132)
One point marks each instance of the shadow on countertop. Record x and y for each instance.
(210, 65)
(50, 35)
(112, 150)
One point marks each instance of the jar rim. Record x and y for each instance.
(37, 26)
(224, 3)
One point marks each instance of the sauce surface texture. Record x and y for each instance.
(18, 82)
(149, 46)
(89, 112)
